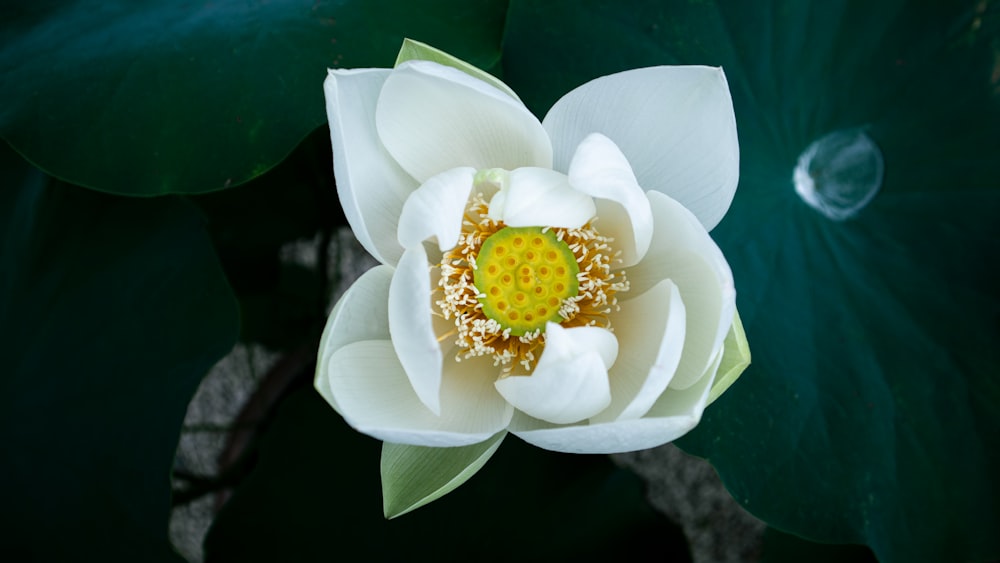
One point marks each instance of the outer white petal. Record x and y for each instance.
(570, 381)
(674, 123)
(650, 331)
(412, 328)
(432, 118)
(437, 209)
(374, 396)
(600, 170)
(371, 186)
(415, 50)
(674, 414)
(362, 313)
(539, 197)
(683, 251)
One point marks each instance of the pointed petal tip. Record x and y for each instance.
(432, 118)
(687, 146)
(436, 209)
(600, 170)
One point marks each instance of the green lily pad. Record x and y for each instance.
(165, 97)
(315, 495)
(869, 414)
(111, 311)
(778, 547)
(282, 303)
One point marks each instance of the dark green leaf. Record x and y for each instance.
(283, 303)
(145, 98)
(869, 414)
(111, 311)
(785, 548)
(315, 495)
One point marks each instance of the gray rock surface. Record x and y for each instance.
(688, 491)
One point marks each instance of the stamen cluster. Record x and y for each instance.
(476, 334)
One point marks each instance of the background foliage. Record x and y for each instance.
(868, 416)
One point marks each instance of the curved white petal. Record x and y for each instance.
(650, 331)
(437, 209)
(432, 118)
(374, 396)
(682, 251)
(675, 125)
(600, 170)
(570, 381)
(674, 414)
(412, 328)
(539, 197)
(415, 50)
(371, 186)
(362, 313)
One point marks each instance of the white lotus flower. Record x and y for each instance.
(554, 279)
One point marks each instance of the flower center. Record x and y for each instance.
(500, 285)
(524, 274)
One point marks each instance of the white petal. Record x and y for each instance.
(412, 327)
(371, 186)
(683, 251)
(539, 197)
(672, 416)
(375, 397)
(600, 170)
(675, 125)
(434, 118)
(570, 381)
(437, 209)
(415, 50)
(362, 313)
(650, 331)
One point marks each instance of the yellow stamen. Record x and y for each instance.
(496, 276)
